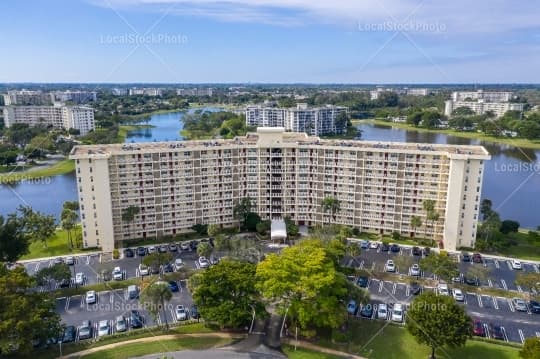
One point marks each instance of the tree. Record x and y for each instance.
(291, 227)
(129, 213)
(531, 349)
(37, 226)
(251, 221)
(226, 293)
(530, 280)
(201, 229)
(157, 259)
(481, 273)
(154, 296)
(242, 210)
(332, 205)
(403, 263)
(342, 119)
(485, 208)
(56, 273)
(204, 249)
(416, 222)
(462, 111)
(263, 227)
(213, 230)
(431, 214)
(436, 320)
(72, 205)
(68, 220)
(26, 314)
(13, 240)
(303, 280)
(508, 226)
(443, 266)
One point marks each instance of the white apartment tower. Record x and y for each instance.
(26, 97)
(176, 185)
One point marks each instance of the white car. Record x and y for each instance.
(442, 289)
(178, 264)
(390, 266)
(397, 313)
(516, 264)
(151, 249)
(458, 295)
(415, 270)
(103, 328)
(90, 297)
(382, 311)
(181, 312)
(79, 278)
(374, 245)
(117, 273)
(203, 262)
(143, 270)
(519, 304)
(185, 246)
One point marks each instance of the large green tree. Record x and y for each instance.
(242, 210)
(442, 265)
(37, 226)
(332, 205)
(531, 349)
(157, 259)
(46, 276)
(226, 293)
(416, 222)
(26, 314)
(68, 221)
(13, 240)
(155, 295)
(437, 321)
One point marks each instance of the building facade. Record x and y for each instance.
(315, 121)
(176, 185)
(198, 92)
(480, 107)
(488, 96)
(74, 96)
(77, 117)
(153, 92)
(25, 97)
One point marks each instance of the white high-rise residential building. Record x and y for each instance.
(417, 91)
(26, 97)
(487, 96)
(155, 92)
(74, 96)
(312, 120)
(380, 185)
(77, 117)
(195, 92)
(480, 107)
(117, 91)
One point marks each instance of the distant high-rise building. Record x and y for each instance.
(486, 96)
(25, 97)
(198, 92)
(154, 92)
(78, 97)
(119, 91)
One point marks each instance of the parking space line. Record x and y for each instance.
(504, 332)
(66, 308)
(521, 336)
(519, 288)
(496, 264)
(495, 304)
(512, 309)
(536, 269)
(173, 316)
(479, 297)
(509, 265)
(372, 266)
(503, 282)
(537, 334)
(381, 285)
(394, 289)
(87, 260)
(486, 329)
(361, 266)
(490, 283)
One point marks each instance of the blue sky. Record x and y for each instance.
(314, 41)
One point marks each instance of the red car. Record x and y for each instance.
(478, 328)
(477, 258)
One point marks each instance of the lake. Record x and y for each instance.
(511, 178)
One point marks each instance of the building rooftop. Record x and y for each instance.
(280, 138)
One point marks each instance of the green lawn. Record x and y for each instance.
(59, 168)
(301, 353)
(56, 245)
(395, 342)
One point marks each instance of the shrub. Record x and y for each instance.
(116, 253)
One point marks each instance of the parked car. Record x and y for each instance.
(152, 250)
(167, 268)
(516, 264)
(352, 307)
(214, 260)
(416, 251)
(519, 304)
(364, 244)
(103, 328)
(70, 260)
(181, 312)
(194, 312)
(535, 307)
(478, 328)
(133, 291)
(426, 251)
(185, 246)
(69, 335)
(496, 332)
(385, 247)
(121, 324)
(362, 282)
(173, 286)
(162, 249)
(90, 297)
(471, 280)
(178, 264)
(117, 273)
(105, 275)
(465, 257)
(477, 258)
(154, 269)
(442, 289)
(64, 283)
(394, 248)
(415, 270)
(143, 270)
(390, 266)
(79, 278)
(193, 245)
(203, 262)
(366, 311)
(135, 319)
(374, 245)
(85, 330)
(58, 260)
(173, 247)
(458, 295)
(128, 253)
(141, 251)
(382, 311)
(397, 313)
(415, 288)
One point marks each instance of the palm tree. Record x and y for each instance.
(68, 219)
(431, 214)
(416, 222)
(331, 204)
(129, 213)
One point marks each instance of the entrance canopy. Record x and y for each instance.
(278, 230)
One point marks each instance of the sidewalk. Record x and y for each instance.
(314, 347)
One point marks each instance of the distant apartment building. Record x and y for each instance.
(154, 92)
(119, 91)
(78, 97)
(198, 92)
(487, 96)
(312, 120)
(380, 185)
(417, 91)
(77, 117)
(25, 98)
(413, 91)
(480, 107)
